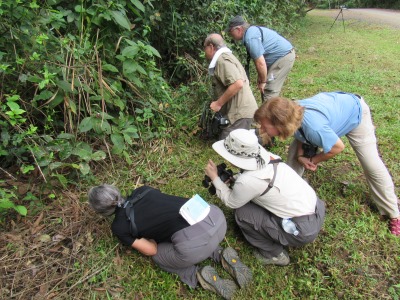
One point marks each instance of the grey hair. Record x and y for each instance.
(245, 26)
(104, 199)
(216, 40)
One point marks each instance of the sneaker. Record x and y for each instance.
(210, 281)
(238, 270)
(394, 226)
(281, 260)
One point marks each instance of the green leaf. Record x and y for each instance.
(129, 66)
(21, 210)
(132, 77)
(72, 105)
(138, 5)
(56, 101)
(99, 155)
(154, 51)
(130, 51)
(121, 19)
(106, 116)
(86, 124)
(5, 136)
(61, 179)
(5, 203)
(13, 106)
(102, 126)
(111, 68)
(141, 70)
(83, 153)
(84, 168)
(64, 85)
(79, 8)
(118, 141)
(66, 136)
(44, 95)
(55, 165)
(127, 157)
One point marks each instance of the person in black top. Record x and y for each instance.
(174, 245)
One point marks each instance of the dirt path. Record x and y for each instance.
(370, 15)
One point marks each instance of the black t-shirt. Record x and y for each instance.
(156, 217)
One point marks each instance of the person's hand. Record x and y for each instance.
(215, 106)
(211, 170)
(307, 163)
(261, 87)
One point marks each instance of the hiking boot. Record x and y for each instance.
(209, 280)
(394, 226)
(238, 270)
(281, 260)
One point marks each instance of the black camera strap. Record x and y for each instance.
(304, 136)
(274, 163)
(128, 206)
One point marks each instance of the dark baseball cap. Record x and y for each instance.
(235, 21)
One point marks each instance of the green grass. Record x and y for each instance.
(354, 257)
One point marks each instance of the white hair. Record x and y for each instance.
(104, 199)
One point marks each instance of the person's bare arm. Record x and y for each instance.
(146, 247)
(336, 149)
(312, 163)
(261, 67)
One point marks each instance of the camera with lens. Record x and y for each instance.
(309, 150)
(225, 174)
(220, 119)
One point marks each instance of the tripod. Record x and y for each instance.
(340, 13)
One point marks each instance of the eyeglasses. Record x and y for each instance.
(233, 28)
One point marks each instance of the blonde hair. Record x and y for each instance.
(285, 115)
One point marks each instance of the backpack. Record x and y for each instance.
(128, 206)
(211, 123)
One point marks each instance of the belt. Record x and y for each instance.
(303, 218)
(291, 50)
(308, 217)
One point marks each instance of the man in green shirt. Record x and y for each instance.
(232, 97)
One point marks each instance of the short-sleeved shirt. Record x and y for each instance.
(227, 71)
(327, 117)
(156, 217)
(272, 45)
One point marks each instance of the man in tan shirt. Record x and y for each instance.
(233, 97)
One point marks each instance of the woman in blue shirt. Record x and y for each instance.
(320, 122)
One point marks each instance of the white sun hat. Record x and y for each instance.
(241, 148)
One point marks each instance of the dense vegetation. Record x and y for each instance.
(89, 81)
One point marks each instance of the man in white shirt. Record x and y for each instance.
(266, 192)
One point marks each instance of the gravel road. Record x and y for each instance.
(387, 17)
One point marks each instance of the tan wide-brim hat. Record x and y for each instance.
(241, 148)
